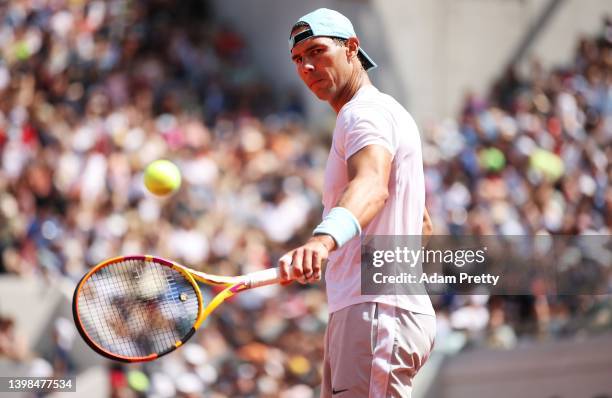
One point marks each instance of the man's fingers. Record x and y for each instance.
(297, 265)
(284, 264)
(316, 266)
(303, 264)
(307, 264)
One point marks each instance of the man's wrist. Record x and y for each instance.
(325, 240)
(340, 224)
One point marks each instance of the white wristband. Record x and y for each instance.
(340, 224)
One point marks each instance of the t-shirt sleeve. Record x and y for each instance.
(368, 126)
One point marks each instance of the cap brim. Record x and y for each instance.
(369, 62)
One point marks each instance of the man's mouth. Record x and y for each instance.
(314, 82)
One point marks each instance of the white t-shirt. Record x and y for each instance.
(374, 118)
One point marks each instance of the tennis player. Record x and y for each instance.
(374, 185)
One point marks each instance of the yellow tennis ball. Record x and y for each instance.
(162, 177)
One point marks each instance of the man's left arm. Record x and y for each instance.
(428, 228)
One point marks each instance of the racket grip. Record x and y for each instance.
(264, 277)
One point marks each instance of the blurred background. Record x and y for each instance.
(514, 102)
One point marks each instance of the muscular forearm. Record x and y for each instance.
(364, 197)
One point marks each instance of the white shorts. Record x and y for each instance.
(374, 350)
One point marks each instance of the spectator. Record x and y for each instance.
(12, 345)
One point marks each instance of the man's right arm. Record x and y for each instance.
(365, 195)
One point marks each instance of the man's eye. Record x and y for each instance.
(317, 51)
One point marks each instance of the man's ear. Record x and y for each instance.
(352, 45)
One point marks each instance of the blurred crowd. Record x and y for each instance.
(532, 158)
(91, 92)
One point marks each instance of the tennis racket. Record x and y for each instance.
(139, 308)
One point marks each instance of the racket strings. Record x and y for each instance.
(135, 308)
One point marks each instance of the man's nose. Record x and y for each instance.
(307, 67)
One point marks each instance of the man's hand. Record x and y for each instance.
(306, 261)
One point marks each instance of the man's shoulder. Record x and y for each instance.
(365, 108)
(375, 112)
(372, 102)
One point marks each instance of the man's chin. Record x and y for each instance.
(321, 94)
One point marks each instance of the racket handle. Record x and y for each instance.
(264, 277)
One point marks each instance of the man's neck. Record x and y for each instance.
(358, 80)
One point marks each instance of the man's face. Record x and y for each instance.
(322, 65)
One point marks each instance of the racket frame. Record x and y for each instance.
(158, 260)
(232, 284)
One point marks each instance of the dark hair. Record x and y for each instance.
(299, 24)
(342, 43)
(339, 41)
